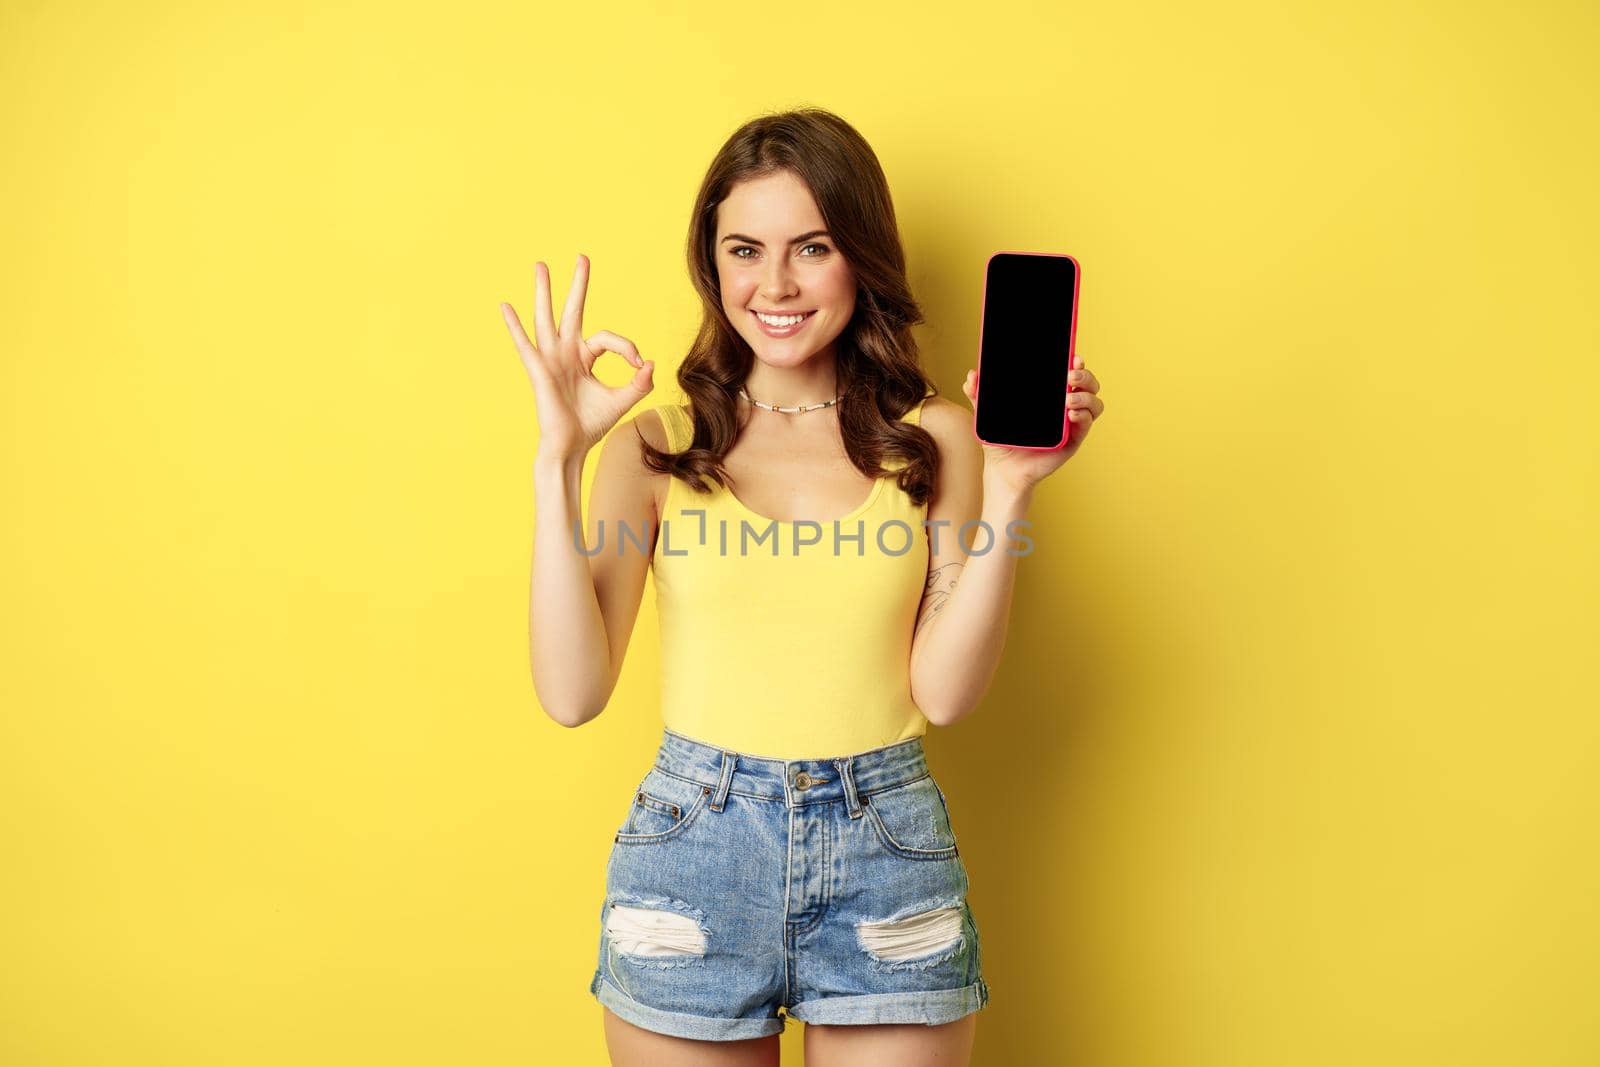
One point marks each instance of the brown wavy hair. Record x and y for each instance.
(878, 369)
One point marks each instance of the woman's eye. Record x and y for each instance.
(746, 248)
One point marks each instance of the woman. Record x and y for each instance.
(820, 604)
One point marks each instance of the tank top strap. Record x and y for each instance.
(678, 425)
(914, 416)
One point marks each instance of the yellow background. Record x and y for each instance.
(1292, 756)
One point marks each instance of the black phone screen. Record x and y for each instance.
(1029, 323)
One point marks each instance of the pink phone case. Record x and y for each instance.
(1072, 345)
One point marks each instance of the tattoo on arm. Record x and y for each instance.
(936, 594)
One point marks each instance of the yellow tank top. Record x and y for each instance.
(790, 640)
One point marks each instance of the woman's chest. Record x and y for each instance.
(789, 478)
(793, 485)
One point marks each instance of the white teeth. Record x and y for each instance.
(784, 320)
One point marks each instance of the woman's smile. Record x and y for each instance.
(781, 331)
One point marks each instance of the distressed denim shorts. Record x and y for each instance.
(830, 888)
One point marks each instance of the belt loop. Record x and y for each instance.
(847, 775)
(721, 798)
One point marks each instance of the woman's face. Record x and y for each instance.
(772, 255)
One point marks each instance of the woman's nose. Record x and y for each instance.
(776, 285)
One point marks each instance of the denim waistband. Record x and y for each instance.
(795, 781)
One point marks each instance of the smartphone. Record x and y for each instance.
(1027, 328)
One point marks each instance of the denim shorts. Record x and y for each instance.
(830, 888)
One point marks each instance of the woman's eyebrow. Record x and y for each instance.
(795, 241)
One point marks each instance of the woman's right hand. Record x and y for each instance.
(575, 409)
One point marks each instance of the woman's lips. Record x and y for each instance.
(786, 331)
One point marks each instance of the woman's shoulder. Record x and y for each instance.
(653, 424)
(667, 426)
(950, 424)
(940, 413)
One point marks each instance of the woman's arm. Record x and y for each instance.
(582, 608)
(579, 611)
(961, 625)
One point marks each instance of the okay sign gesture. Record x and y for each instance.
(574, 409)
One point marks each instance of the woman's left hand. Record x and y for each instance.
(1023, 468)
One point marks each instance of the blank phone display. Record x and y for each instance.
(1025, 349)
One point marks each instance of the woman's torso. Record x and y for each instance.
(777, 638)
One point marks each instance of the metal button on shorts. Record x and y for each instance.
(743, 889)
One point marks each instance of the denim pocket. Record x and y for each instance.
(663, 807)
(911, 820)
